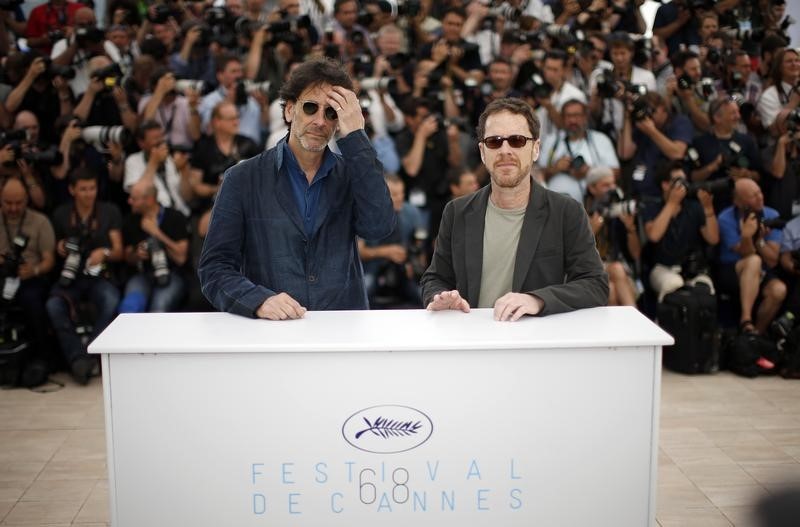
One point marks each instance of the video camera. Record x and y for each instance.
(10, 267)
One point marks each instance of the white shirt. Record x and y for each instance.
(567, 92)
(377, 115)
(249, 114)
(613, 110)
(169, 195)
(174, 118)
(771, 103)
(81, 63)
(596, 149)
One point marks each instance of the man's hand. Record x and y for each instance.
(165, 85)
(26, 270)
(676, 194)
(396, 253)
(511, 306)
(345, 102)
(159, 153)
(96, 257)
(562, 164)
(37, 67)
(428, 126)
(149, 224)
(749, 226)
(281, 307)
(448, 300)
(706, 200)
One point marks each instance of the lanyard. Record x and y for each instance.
(19, 228)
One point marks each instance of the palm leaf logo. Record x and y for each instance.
(386, 428)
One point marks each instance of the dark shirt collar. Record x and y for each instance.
(288, 160)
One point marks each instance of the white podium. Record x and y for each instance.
(389, 418)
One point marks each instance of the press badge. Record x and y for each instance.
(639, 172)
(417, 197)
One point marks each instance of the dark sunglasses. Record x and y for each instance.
(514, 141)
(311, 108)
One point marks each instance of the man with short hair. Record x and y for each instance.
(554, 72)
(282, 237)
(252, 111)
(749, 252)
(89, 235)
(26, 286)
(155, 165)
(567, 157)
(514, 245)
(462, 182)
(157, 245)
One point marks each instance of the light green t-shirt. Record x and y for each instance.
(500, 241)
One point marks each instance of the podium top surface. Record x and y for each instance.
(363, 331)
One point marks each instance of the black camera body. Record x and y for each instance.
(607, 84)
(72, 263)
(162, 13)
(540, 88)
(111, 76)
(159, 262)
(10, 268)
(88, 36)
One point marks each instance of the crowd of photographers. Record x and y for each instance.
(115, 135)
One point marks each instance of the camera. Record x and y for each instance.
(734, 158)
(158, 259)
(577, 163)
(87, 36)
(72, 262)
(377, 83)
(792, 121)
(714, 187)
(416, 252)
(15, 136)
(640, 110)
(110, 76)
(162, 13)
(57, 70)
(101, 136)
(539, 88)
(751, 35)
(685, 82)
(613, 205)
(707, 87)
(505, 11)
(607, 85)
(10, 5)
(201, 87)
(50, 157)
(693, 157)
(409, 8)
(10, 267)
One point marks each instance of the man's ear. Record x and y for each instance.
(288, 111)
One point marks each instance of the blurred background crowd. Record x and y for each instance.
(676, 124)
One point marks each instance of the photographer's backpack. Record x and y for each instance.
(690, 316)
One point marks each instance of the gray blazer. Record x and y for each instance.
(556, 259)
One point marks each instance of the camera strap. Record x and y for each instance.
(9, 238)
(167, 123)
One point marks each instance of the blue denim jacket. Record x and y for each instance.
(256, 246)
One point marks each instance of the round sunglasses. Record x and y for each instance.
(311, 108)
(514, 141)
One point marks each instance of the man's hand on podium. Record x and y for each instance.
(511, 306)
(448, 300)
(281, 307)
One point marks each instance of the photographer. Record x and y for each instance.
(613, 224)
(677, 226)
(77, 48)
(89, 234)
(345, 26)
(215, 154)
(25, 265)
(567, 157)
(677, 23)
(659, 137)
(253, 108)
(39, 88)
(740, 79)
(778, 101)
(105, 102)
(47, 19)
(782, 185)
(555, 91)
(723, 152)
(176, 113)
(157, 245)
(749, 252)
(33, 158)
(394, 264)
(500, 80)
(459, 58)
(608, 107)
(197, 56)
(684, 91)
(154, 165)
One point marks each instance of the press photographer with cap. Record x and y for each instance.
(282, 236)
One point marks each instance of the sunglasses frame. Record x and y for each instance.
(504, 138)
(330, 113)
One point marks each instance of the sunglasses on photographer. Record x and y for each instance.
(310, 108)
(514, 141)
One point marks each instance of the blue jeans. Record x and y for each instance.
(142, 295)
(63, 302)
